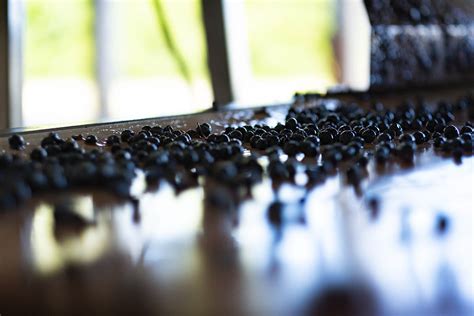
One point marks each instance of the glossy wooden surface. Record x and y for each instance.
(174, 254)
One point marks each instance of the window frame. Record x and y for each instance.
(215, 17)
(11, 62)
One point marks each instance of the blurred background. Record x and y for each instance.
(102, 60)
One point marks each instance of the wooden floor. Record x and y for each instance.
(173, 254)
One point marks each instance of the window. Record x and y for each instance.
(59, 85)
(290, 47)
(70, 77)
(104, 60)
(147, 80)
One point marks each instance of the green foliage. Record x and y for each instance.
(145, 53)
(58, 40)
(290, 37)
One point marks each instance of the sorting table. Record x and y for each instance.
(380, 250)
